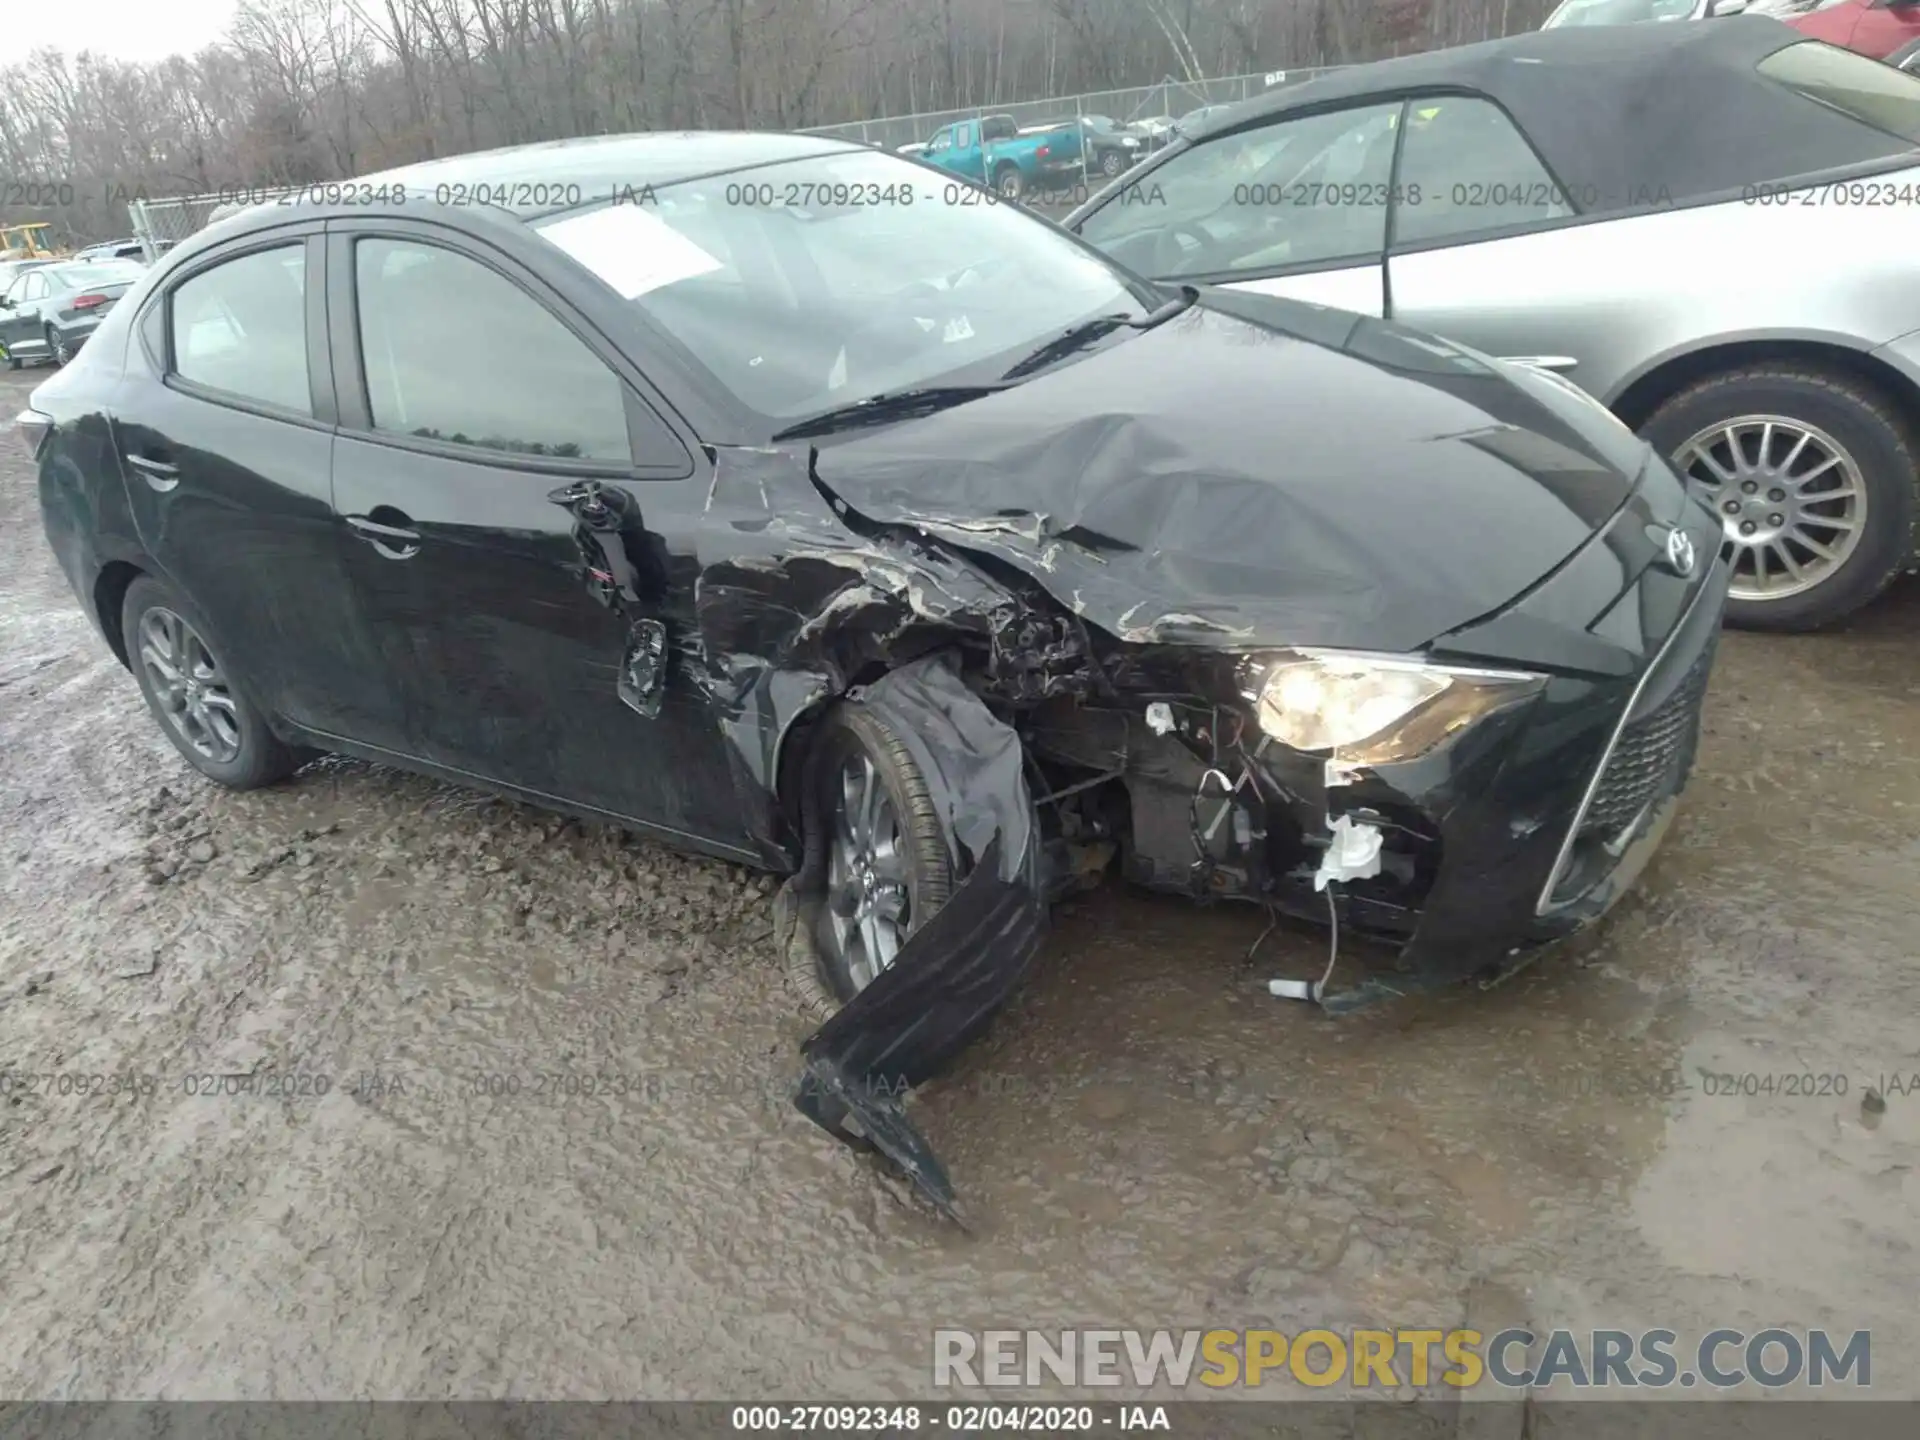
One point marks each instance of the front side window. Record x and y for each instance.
(1306, 191)
(241, 327)
(1465, 170)
(811, 284)
(456, 352)
(1874, 94)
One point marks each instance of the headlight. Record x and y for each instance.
(1375, 708)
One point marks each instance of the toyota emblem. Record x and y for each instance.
(1680, 553)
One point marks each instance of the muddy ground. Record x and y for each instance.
(1146, 1139)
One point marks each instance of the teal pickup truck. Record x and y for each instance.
(993, 152)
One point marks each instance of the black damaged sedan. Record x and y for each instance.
(787, 501)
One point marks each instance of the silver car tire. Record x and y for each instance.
(190, 686)
(878, 863)
(1813, 473)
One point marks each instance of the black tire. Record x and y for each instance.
(1112, 163)
(57, 351)
(1009, 183)
(1866, 424)
(262, 757)
(850, 730)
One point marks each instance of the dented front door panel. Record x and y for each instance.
(511, 653)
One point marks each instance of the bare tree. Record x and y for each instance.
(313, 89)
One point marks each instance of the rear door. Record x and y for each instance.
(1465, 259)
(473, 400)
(1295, 207)
(224, 426)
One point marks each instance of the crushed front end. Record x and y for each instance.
(1520, 773)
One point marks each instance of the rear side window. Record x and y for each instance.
(1465, 171)
(458, 353)
(241, 327)
(1867, 91)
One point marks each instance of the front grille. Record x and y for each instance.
(1654, 754)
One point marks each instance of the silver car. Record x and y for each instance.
(1710, 229)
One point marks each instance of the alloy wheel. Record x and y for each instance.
(1790, 498)
(867, 897)
(57, 343)
(190, 685)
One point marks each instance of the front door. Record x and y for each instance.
(1296, 207)
(482, 433)
(20, 329)
(1884, 27)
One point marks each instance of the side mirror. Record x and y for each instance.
(5, 303)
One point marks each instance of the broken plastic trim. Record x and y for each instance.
(959, 967)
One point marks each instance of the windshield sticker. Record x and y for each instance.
(631, 249)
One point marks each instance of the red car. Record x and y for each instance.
(1875, 28)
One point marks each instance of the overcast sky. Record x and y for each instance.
(124, 29)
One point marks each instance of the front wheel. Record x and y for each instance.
(193, 693)
(1111, 164)
(1812, 473)
(877, 845)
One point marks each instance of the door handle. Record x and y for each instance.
(396, 542)
(161, 475)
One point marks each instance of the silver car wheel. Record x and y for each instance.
(1790, 498)
(866, 873)
(190, 685)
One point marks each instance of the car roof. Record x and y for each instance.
(602, 165)
(1627, 117)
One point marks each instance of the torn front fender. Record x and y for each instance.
(965, 960)
(795, 600)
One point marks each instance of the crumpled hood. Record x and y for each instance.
(1258, 472)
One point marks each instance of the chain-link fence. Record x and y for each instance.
(1100, 134)
(159, 225)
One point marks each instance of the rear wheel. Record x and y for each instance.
(195, 697)
(1009, 182)
(876, 844)
(1812, 474)
(57, 346)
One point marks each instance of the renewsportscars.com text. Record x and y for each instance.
(1510, 1359)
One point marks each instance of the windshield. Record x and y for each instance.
(1618, 12)
(808, 285)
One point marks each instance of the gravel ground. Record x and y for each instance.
(1146, 1139)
